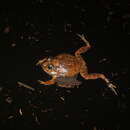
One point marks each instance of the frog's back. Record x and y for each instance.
(66, 59)
(69, 62)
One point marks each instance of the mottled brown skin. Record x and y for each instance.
(67, 65)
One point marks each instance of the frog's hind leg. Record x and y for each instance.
(87, 76)
(84, 48)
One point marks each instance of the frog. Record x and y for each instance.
(65, 66)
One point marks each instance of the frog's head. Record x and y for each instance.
(48, 66)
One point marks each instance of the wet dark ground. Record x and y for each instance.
(38, 28)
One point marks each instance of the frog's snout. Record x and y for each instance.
(41, 61)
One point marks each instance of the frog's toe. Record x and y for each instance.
(112, 87)
(41, 82)
(81, 35)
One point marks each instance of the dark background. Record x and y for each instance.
(35, 29)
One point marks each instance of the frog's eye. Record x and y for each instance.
(50, 66)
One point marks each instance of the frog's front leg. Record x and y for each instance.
(84, 48)
(49, 82)
(84, 39)
(87, 76)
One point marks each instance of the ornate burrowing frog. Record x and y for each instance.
(64, 68)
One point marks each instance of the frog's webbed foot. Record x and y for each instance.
(112, 87)
(49, 82)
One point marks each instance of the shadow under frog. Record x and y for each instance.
(64, 68)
